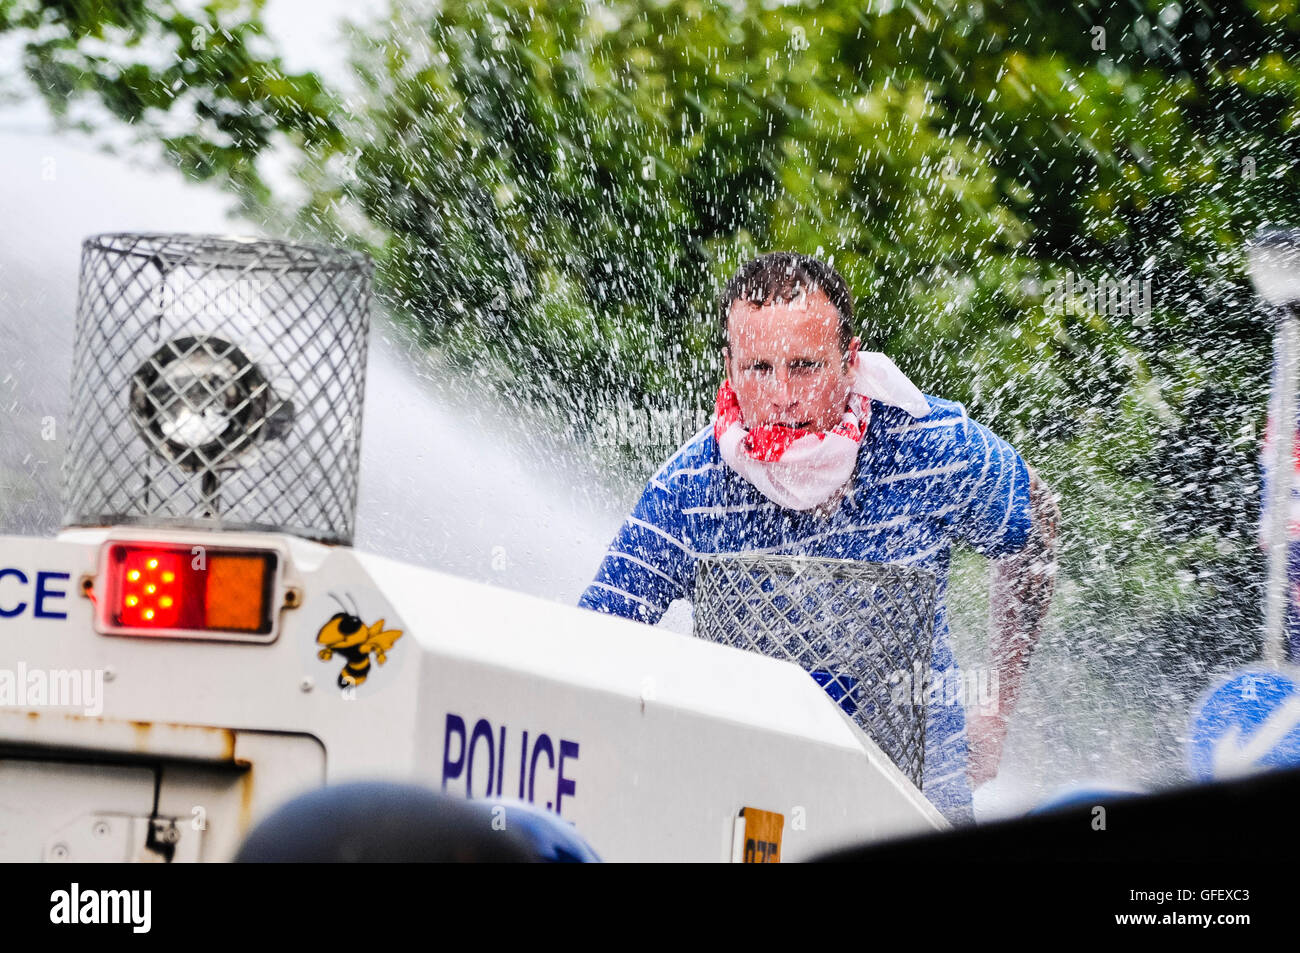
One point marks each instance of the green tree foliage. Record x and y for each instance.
(555, 193)
(200, 79)
(563, 192)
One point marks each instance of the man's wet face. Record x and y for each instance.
(786, 363)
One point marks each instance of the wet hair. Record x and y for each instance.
(783, 276)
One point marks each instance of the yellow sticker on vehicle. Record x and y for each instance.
(758, 836)
(353, 648)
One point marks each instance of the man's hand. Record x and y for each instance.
(986, 732)
(1021, 594)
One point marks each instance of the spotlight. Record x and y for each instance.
(201, 403)
(1273, 260)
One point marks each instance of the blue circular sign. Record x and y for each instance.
(1248, 721)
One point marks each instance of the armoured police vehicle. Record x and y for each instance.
(201, 643)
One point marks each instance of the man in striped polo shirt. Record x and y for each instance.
(821, 449)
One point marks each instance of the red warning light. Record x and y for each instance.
(150, 592)
(170, 590)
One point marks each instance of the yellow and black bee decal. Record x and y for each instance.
(356, 641)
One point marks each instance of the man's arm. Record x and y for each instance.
(1019, 597)
(647, 565)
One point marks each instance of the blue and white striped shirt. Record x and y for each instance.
(921, 485)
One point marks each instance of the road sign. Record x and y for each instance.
(1249, 721)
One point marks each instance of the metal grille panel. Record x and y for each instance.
(862, 630)
(218, 383)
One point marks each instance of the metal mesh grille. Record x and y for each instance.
(217, 383)
(862, 630)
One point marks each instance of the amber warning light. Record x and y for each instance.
(179, 590)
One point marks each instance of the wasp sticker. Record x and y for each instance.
(354, 646)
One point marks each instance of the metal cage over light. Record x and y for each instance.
(218, 383)
(864, 631)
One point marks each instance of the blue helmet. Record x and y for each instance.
(382, 821)
(1087, 794)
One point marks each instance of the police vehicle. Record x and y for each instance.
(200, 643)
